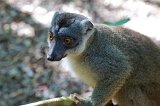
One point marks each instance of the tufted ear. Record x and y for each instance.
(54, 18)
(86, 25)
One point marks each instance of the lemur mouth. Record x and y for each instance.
(50, 58)
(64, 55)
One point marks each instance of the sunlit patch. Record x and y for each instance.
(23, 29)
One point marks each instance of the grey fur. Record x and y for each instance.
(120, 64)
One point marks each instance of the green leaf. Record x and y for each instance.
(109, 23)
(118, 23)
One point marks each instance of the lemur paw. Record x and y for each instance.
(80, 101)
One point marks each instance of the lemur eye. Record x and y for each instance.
(68, 41)
(50, 36)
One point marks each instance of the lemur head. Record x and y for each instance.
(68, 35)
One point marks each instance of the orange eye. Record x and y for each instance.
(68, 41)
(50, 36)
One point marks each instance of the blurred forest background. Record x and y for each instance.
(25, 75)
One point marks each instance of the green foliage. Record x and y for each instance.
(67, 102)
(118, 23)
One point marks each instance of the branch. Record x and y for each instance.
(72, 100)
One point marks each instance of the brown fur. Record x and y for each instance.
(141, 87)
(120, 64)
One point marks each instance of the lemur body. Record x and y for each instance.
(120, 64)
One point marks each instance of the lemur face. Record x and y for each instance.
(67, 35)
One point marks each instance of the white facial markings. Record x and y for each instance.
(51, 44)
(82, 46)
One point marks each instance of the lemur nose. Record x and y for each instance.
(50, 58)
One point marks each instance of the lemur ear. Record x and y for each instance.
(54, 18)
(86, 25)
